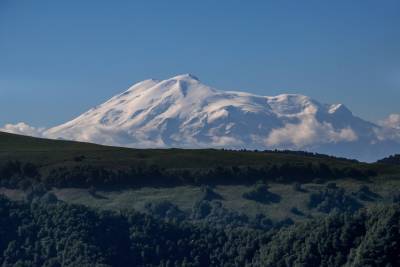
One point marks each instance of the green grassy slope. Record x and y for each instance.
(47, 151)
(76, 164)
(185, 197)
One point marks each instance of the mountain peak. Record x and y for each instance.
(183, 112)
(185, 76)
(339, 109)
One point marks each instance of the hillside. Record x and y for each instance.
(62, 163)
(112, 206)
(393, 159)
(49, 151)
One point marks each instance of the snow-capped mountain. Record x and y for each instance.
(183, 112)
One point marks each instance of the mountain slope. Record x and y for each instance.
(48, 153)
(183, 112)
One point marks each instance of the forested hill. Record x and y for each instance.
(52, 233)
(56, 163)
(80, 204)
(394, 159)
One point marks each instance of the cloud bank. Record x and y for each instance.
(23, 129)
(390, 128)
(309, 132)
(392, 121)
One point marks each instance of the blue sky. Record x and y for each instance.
(60, 58)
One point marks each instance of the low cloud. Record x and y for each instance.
(23, 129)
(309, 132)
(392, 121)
(390, 128)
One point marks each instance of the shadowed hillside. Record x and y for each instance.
(27, 160)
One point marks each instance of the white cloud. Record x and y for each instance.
(392, 121)
(225, 141)
(309, 132)
(390, 128)
(23, 129)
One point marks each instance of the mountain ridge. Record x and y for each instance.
(183, 112)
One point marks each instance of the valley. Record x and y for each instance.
(125, 206)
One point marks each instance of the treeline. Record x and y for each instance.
(47, 232)
(393, 159)
(298, 153)
(15, 174)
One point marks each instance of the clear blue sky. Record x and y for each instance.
(59, 58)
